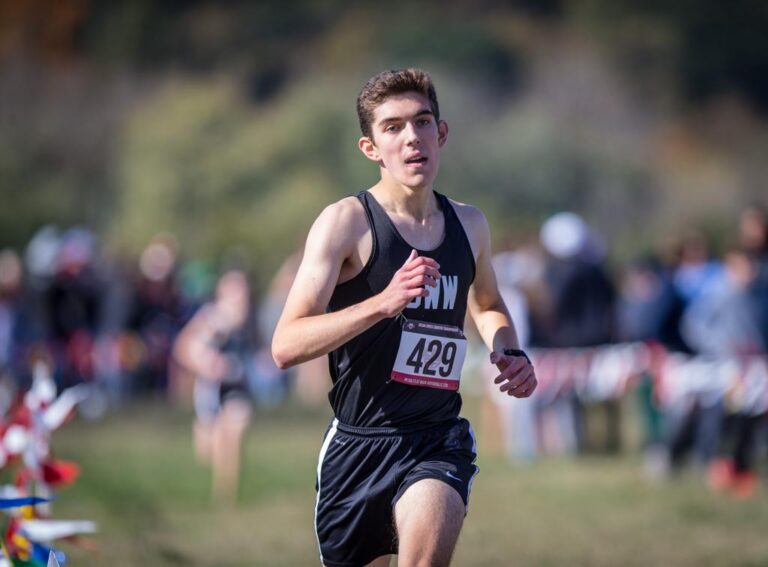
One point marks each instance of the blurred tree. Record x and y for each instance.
(232, 122)
(718, 48)
(201, 163)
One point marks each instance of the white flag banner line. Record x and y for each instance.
(754, 394)
(606, 371)
(49, 530)
(55, 414)
(595, 373)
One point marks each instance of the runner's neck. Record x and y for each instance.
(417, 204)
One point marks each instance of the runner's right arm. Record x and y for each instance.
(305, 331)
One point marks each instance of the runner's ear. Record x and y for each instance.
(442, 132)
(369, 149)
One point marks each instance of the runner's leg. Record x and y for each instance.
(230, 428)
(429, 516)
(203, 438)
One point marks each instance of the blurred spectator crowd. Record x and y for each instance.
(682, 333)
(111, 322)
(680, 329)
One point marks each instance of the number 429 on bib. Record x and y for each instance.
(430, 355)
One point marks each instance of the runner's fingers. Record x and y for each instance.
(411, 257)
(520, 393)
(506, 375)
(411, 263)
(515, 366)
(421, 261)
(420, 281)
(429, 271)
(518, 380)
(416, 292)
(524, 389)
(530, 388)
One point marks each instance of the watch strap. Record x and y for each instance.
(516, 352)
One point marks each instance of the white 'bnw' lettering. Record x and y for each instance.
(448, 287)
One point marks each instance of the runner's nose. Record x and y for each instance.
(411, 136)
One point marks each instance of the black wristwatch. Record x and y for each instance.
(517, 352)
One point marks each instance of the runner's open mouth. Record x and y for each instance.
(420, 159)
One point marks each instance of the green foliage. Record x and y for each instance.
(199, 162)
(34, 195)
(716, 48)
(234, 124)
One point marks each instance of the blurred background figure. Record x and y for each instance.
(649, 307)
(215, 347)
(155, 312)
(753, 240)
(649, 310)
(709, 291)
(725, 322)
(718, 322)
(696, 269)
(753, 231)
(722, 319)
(73, 301)
(581, 295)
(580, 313)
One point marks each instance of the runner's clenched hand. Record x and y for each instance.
(517, 376)
(409, 282)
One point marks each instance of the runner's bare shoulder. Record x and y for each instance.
(474, 222)
(341, 224)
(341, 234)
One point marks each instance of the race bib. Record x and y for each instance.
(430, 355)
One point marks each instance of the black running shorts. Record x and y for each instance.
(362, 472)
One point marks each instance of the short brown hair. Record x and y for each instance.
(392, 82)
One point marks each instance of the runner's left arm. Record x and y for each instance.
(491, 316)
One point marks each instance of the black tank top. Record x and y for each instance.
(363, 395)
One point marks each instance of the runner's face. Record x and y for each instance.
(406, 140)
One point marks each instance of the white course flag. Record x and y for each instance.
(52, 561)
(49, 530)
(55, 414)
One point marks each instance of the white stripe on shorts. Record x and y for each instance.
(328, 438)
(477, 469)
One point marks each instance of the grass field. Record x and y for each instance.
(140, 483)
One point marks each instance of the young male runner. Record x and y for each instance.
(383, 289)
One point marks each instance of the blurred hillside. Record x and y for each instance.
(233, 124)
